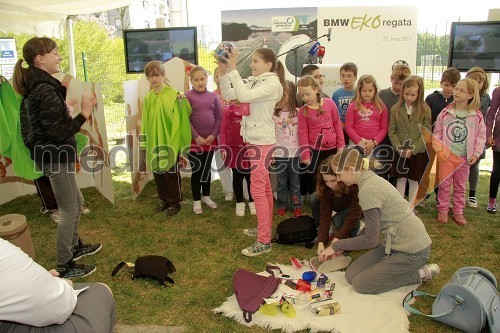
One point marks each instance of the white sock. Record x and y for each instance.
(400, 185)
(412, 190)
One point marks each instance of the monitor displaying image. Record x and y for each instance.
(475, 44)
(144, 45)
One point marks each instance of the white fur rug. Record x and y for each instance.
(360, 313)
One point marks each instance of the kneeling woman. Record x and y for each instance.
(333, 195)
(400, 260)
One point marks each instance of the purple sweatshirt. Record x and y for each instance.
(206, 116)
(493, 117)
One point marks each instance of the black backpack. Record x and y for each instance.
(300, 229)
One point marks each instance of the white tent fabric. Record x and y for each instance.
(46, 17)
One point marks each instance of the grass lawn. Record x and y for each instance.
(206, 252)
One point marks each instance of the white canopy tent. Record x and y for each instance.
(47, 17)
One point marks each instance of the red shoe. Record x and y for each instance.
(297, 212)
(281, 212)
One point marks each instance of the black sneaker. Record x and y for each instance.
(173, 209)
(73, 270)
(81, 250)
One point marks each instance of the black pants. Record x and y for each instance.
(201, 175)
(168, 185)
(238, 176)
(495, 175)
(44, 190)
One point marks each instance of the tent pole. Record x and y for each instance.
(72, 66)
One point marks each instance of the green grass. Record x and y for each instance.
(206, 252)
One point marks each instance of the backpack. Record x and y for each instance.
(251, 289)
(296, 230)
(156, 267)
(467, 302)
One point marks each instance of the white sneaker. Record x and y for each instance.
(431, 270)
(251, 205)
(229, 196)
(240, 209)
(472, 202)
(197, 207)
(207, 201)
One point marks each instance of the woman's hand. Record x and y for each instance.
(89, 101)
(321, 248)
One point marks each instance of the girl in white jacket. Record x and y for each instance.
(263, 91)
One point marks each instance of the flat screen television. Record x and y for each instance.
(475, 44)
(144, 45)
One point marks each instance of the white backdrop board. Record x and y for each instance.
(371, 37)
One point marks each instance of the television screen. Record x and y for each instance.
(475, 44)
(144, 45)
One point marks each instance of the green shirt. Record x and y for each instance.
(458, 133)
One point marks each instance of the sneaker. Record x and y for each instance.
(431, 270)
(173, 209)
(72, 270)
(256, 249)
(281, 212)
(197, 207)
(459, 219)
(251, 206)
(297, 212)
(250, 232)
(240, 209)
(472, 202)
(207, 201)
(82, 250)
(442, 217)
(54, 215)
(85, 208)
(43, 210)
(229, 196)
(492, 209)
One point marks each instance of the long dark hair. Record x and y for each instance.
(325, 168)
(289, 101)
(34, 47)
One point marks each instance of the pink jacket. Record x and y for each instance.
(493, 116)
(370, 125)
(476, 134)
(320, 132)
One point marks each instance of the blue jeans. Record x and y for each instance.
(337, 220)
(287, 170)
(69, 200)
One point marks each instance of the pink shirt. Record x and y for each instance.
(370, 124)
(320, 131)
(287, 135)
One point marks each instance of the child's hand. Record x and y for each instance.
(472, 160)
(491, 142)
(441, 156)
(183, 162)
(306, 162)
(408, 153)
(209, 140)
(223, 154)
(321, 248)
(200, 141)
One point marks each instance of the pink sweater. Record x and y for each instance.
(370, 125)
(320, 131)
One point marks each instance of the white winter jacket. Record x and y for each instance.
(262, 92)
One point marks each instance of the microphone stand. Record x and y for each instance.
(295, 51)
